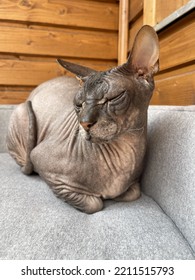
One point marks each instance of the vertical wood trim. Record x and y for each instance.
(123, 31)
(149, 12)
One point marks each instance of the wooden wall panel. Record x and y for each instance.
(34, 33)
(134, 28)
(175, 84)
(26, 72)
(135, 9)
(177, 43)
(90, 14)
(175, 87)
(157, 10)
(70, 43)
(165, 8)
(149, 12)
(14, 95)
(123, 36)
(135, 19)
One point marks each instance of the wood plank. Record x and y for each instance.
(175, 88)
(90, 14)
(29, 73)
(14, 95)
(135, 9)
(149, 12)
(134, 28)
(182, 70)
(99, 65)
(176, 15)
(177, 43)
(165, 8)
(107, 1)
(123, 31)
(32, 73)
(69, 43)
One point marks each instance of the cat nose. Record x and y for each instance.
(86, 125)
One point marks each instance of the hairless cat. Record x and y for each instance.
(86, 137)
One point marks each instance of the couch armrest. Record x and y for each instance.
(169, 175)
(5, 113)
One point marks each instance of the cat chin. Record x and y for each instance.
(100, 140)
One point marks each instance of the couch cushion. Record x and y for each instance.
(5, 113)
(34, 224)
(169, 176)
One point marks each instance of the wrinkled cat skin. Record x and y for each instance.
(86, 137)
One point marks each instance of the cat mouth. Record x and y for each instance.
(101, 135)
(85, 134)
(90, 138)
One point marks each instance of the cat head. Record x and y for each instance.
(115, 101)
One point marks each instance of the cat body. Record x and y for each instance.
(86, 138)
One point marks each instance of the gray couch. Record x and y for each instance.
(34, 224)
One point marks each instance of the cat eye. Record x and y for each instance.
(119, 98)
(77, 107)
(119, 104)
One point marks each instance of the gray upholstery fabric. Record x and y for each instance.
(5, 113)
(169, 176)
(34, 224)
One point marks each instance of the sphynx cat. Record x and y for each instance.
(86, 137)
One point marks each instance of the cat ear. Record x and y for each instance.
(144, 57)
(78, 70)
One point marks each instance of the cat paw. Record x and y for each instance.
(131, 194)
(86, 203)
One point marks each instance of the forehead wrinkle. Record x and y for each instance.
(96, 86)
